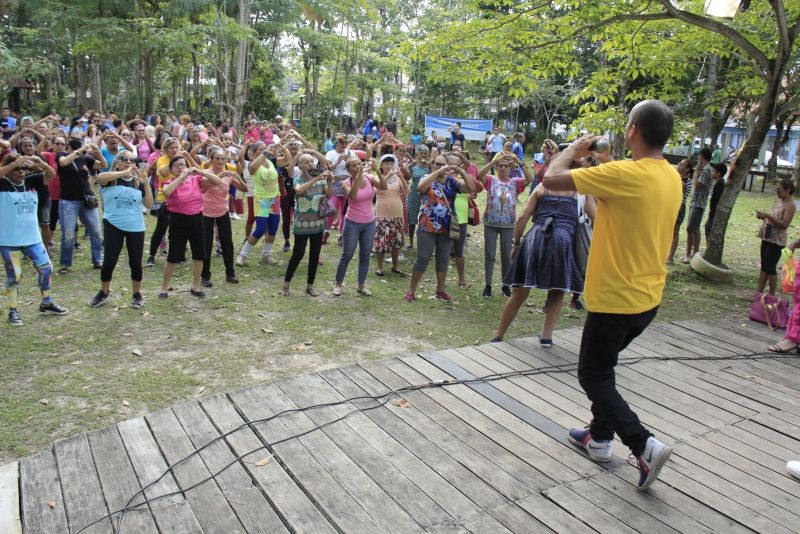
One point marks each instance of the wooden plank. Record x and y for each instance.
(517, 519)
(558, 462)
(552, 515)
(667, 505)
(485, 523)
(9, 499)
(748, 463)
(737, 473)
(340, 487)
(172, 513)
(475, 494)
(413, 485)
(455, 436)
(636, 518)
(718, 501)
(251, 507)
(755, 441)
(749, 502)
(460, 466)
(212, 511)
(40, 491)
(765, 433)
(83, 496)
(587, 512)
(292, 503)
(119, 481)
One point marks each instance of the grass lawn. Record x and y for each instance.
(63, 375)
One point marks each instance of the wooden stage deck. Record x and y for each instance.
(483, 457)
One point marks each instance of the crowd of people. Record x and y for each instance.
(378, 194)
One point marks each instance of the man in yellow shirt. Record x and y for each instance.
(638, 202)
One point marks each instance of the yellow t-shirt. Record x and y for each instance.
(162, 161)
(638, 202)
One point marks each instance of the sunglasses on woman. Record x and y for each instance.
(125, 159)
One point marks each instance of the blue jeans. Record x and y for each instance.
(361, 234)
(69, 211)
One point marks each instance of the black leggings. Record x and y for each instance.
(299, 251)
(287, 206)
(53, 215)
(770, 254)
(225, 242)
(160, 230)
(113, 238)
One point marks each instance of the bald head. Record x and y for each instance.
(654, 120)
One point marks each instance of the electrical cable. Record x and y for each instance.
(386, 397)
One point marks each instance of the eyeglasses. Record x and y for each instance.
(125, 159)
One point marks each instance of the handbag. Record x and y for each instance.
(455, 228)
(771, 310)
(474, 218)
(326, 207)
(90, 201)
(583, 238)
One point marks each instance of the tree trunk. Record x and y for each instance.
(242, 67)
(755, 138)
(711, 88)
(96, 87)
(796, 177)
(80, 88)
(772, 164)
(149, 106)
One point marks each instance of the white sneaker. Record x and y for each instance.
(651, 461)
(400, 257)
(599, 451)
(268, 259)
(241, 261)
(794, 468)
(235, 217)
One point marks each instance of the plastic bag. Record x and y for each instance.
(787, 271)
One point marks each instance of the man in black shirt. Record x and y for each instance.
(74, 167)
(718, 171)
(20, 177)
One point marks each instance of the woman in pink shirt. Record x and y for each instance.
(215, 213)
(185, 204)
(389, 233)
(359, 229)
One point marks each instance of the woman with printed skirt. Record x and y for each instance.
(124, 190)
(215, 214)
(544, 258)
(267, 209)
(185, 202)
(310, 187)
(20, 177)
(419, 169)
(389, 233)
(359, 230)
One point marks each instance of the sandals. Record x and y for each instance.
(777, 347)
(310, 291)
(380, 273)
(398, 272)
(463, 285)
(285, 289)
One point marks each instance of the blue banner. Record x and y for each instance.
(473, 129)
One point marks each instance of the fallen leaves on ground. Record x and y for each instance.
(264, 461)
(402, 403)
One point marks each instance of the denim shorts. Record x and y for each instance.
(695, 218)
